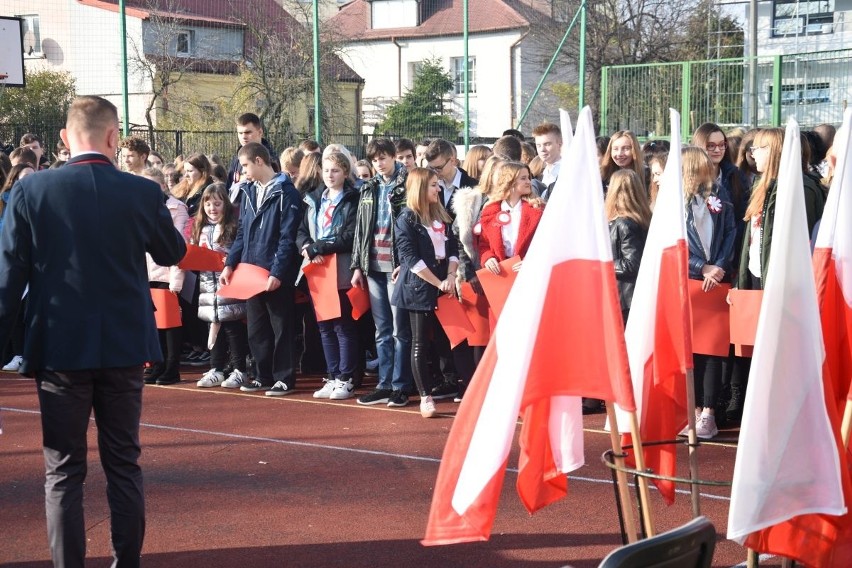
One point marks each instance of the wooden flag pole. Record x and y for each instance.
(846, 426)
(621, 475)
(644, 495)
(693, 441)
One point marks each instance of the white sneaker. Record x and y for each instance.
(235, 380)
(342, 390)
(685, 431)
(14, 364)
(326, 390)
(211, 378)
(706, 427)
(427, 407)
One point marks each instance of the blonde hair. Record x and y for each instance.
(608, 165)
(340, 159)
(471, 160)
(417, 197)
(697, 173)
(491, 167)
(506, 178)
(774, 139)
(626, 197)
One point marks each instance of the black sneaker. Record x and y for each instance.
(378, 396)
(445, 390)
(280, 388)
(254, 386)
(201, 359)
(398, 398)
(168, 380)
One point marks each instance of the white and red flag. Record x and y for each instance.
(659, 329)
(559, 337)
(788, 462)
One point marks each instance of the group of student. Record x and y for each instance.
(412, 222)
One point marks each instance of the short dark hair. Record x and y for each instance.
(135, 144)
(29, 138)
(516, 133)
(249, 118)
(404, 144)
(253, 151)
(378, 146)
(309, 146)
(437, 148)
(508, 147)
(24, 155)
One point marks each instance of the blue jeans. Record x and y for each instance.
(340, 341)
(393, 334)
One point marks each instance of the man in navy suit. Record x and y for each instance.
(77, 236)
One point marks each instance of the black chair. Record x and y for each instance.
(689, 546)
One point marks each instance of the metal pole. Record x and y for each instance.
(317, 103)
(752, 62)
(465, 16)
(777, 61)
(549, 67)
(122, 26)
(581, 99)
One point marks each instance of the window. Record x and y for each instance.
(804, 94)
(387, 14)
(457, 65)
(802, 17)
(413, 70)
(183, 44)
(32, 35)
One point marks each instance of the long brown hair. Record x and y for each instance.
(774, 139)
(701, 137)
(11, 178)
(184, 190)
(417, 197)
(627, 198)
(491, 167)
(229, 221)
(608, 165)
(471, 160)
(697, 170)
(310, 173)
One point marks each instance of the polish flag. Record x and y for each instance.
(659, 332)
(788, 462)
(559, 337)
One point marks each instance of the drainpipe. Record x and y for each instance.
(399, 67)
(512, 48)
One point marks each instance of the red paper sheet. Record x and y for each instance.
(476, 309)
(497, 286)
(710, 319)
(322, 282)
(451, 314)
(360, 300)
(166, 308)
(247, 280)
(745, 309)
(203, 259)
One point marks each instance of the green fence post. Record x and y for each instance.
(686, 88)
(604, 103)
(777, 65)
(122, 29)
(317, 98)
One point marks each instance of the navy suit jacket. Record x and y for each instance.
(78, 236)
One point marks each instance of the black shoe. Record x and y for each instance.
(593, 406)
(378, 396)
(157, 370)
(397, 398)
(734, 412)
(168, 380)
(446, 389)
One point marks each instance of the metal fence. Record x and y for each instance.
(814, 88)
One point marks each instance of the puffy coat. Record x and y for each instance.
(211, 307)
(171, 275)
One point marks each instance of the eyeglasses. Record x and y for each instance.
(753, 148)
(439, 168)
(713, 147)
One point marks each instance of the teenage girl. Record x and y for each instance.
(711, 233)
(428, 257)
(328, 228)
(622, 152)
(215, 228)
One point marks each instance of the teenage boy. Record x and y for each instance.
(34, 143)
(374, 267)
(441, 157)
(548, 143)
(134, 154)
(249, 129)
(405, 151)
(420, 150)
(270, 217)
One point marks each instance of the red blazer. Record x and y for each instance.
(491, 237)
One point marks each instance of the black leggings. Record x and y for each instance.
(708, 379)
(422, 324)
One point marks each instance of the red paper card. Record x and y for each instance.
(322, 282)
(166, 308)
(451, 314)
(247, 280)
(497, 286)
(360, 300)
(476, 309)
(745, 309)
(203, 259)
(710, 319)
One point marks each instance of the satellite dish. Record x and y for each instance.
(29, 42)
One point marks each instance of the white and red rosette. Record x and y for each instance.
(438, 226)
(477, 229)
(504, 218)
(714, 204)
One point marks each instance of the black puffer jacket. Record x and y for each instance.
(628, 242)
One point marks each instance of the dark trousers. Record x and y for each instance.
(270, 335)
(67, 399)
(423, 326)
(231, 347)
(340, 341)
(708, 379)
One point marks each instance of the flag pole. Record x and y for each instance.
(693, 441)
(639, 456)
(621, 476)
(846, 426)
